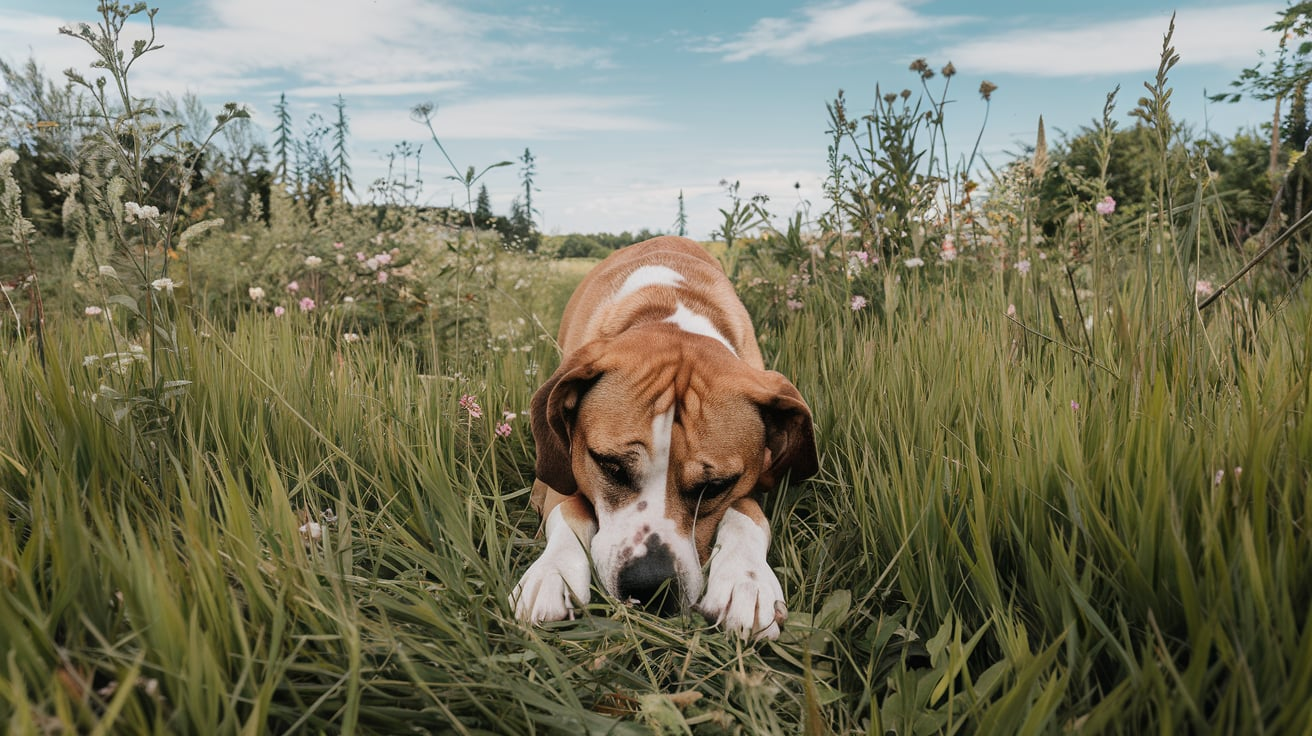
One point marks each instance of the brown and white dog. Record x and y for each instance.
(655, 438)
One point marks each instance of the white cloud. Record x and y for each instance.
(1229, 35)
(522, 117)
(793, 39)
(315, 46)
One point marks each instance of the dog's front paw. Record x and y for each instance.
(743, 594)
(554, 584)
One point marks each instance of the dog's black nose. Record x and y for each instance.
(650, 580)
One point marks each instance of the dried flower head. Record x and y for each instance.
(949, 71)
(986, 89)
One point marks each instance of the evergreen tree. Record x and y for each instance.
(340, 130)
(483, 207)
(681, 222)
(526, 173)
(282, 143)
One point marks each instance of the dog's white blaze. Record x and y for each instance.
(645, 276)
(689, 321)
(623, 527)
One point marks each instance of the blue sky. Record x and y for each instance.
(624, 104)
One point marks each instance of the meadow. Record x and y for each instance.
(1064, 480)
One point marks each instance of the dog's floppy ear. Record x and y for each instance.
(553, 410)
(789, 433)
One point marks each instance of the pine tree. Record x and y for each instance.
(483, 208)
(340, 130)
(681, 222)
(282, 144)
(526, 173)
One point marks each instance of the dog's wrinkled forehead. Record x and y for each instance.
(713, 425)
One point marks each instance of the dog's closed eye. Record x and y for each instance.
(707, 490)
(616, 469)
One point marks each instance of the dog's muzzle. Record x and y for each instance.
(651, 580)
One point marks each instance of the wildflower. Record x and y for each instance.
(1023, 266)
(351, 337)
(278, 311)
(503, 430)
(1218, 477)
(1203, 288)
(256, 293)
(164, 284)
(794, 304)
(949, 250)
(1075, 405)
(293, 287)
(313, 261)
(311, 530)
(306, 304)
(93, 311)
(986, 89)
(1106, 205)
(382, 277)
(1238, 470)
(144, 213)
(914, 262)
(371, 263)
(1011, 310)
(338, 245)
(470, 404)
(340, 259)
(383, 258)
(8, 157)
(949, 70)
(348, 299)
(508, 415)
(858, 303)
(864, 257)
(359, 256)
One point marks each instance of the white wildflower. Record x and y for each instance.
(351, 336)
(256, 293)
(165, 284)
(67, 182)
(313, 261)
(915, 262)
(93, 311)
(145, 213)
(1023, 267)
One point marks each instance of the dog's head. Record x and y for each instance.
(662, 431)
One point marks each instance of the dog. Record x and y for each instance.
(655, 439)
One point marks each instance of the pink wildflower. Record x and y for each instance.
(1106, 206)
(1075, 405)
(470, 404)
(279, 311)
(307, 304)
(858, 303)
(382, 277)
(293, 287)
(794, 304)
(503, 430)
(338, 246)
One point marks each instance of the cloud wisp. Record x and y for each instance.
(797, 39)
(1229, 35)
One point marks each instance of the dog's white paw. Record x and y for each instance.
(556, 582)
(743, 594)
